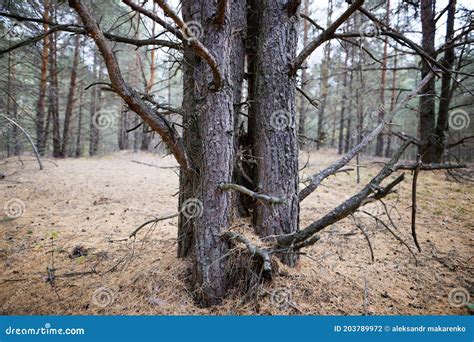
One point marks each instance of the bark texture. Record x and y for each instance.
(275, 138)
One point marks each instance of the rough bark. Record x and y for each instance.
(427, 100)
(216, 130)
(188, 181)
(275, 139)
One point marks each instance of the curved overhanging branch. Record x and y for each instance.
(324, 36)
(73, 28)
(29, 139)
(330, 170)
(133, 99)
(197, 46)
(155, 18)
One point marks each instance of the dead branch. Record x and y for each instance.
(255, 251)
(151, 165)
(394, 235)
(155, 18)
(319, 177)
(134, 101)
(248, 192)
(350, 205)
(429, 167)
(324, 36)
(29, 139)
(198, 47)
(460, 142)
(156, 220)
(314, 103)
(361, 228)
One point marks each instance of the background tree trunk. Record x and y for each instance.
(427, 100)
(70, 98)
(40, 113)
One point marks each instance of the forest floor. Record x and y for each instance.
(78, 214)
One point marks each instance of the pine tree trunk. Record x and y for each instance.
(54, 93)
(428, 92)
(94, 110)
(381, 113)
(70, 99)
(446, 93)
(40, 113)
(216, 130)
(304, 81)
(275, 138)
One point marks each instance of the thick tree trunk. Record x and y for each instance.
(446, 93)
(216, 130)
(188, 181)
(275, 138)
(40, 113)
(427, 100)
(70, 98)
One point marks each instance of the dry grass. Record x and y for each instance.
(96, 203)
